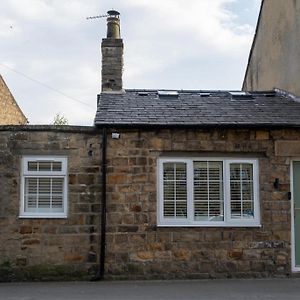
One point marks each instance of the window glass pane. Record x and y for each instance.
(44, 201)
(44, 195)
(247, 171)
(45, 165)
(235, 191)
(180, 172)
(57, 202)
(200, 191)
(241, 191)
(235, 171)
(168, 171)
(236, 210)
(200, 171)
(247, 191)
(181, 209)
(215, 170)
(44, 185)
(32, 166)
(208, 191)
(31, 186)
(248, 211)
(215, 191)
(169, 209)
(57, 194)
(57, 185)
(175, 190)
(30, 194)
(56, 166)
(31, 202)
(201, 210)
(216, 211)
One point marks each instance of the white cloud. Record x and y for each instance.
(55, 12)
(169, 43)
(207, 21)
(166, 34)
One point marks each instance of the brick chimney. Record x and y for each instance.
(112, 55)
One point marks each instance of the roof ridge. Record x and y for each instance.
(198, 91)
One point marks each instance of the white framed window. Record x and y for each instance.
(44, 187)
(208, 192)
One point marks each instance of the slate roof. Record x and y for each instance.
(197, 109)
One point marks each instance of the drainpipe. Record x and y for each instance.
(100, 273)
(103, 211)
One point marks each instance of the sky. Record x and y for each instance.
(50, 53)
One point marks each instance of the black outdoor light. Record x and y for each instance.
(276, 183)
(90, 151)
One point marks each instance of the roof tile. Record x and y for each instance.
(189, 108)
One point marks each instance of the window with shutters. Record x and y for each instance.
(44, 187)
(208, 192)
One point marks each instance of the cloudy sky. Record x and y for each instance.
(50, 54)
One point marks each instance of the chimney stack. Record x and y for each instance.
(112, 55)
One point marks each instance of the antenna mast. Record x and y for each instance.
(97, 17)
(110, 14)
(113, 23)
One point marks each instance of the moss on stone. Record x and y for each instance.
(42, 273)
(134, 269)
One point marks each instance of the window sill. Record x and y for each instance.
(48, 216)
(211, 225)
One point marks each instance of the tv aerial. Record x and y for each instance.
(110, 14)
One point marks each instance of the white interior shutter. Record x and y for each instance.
(208, 191)
(175, 190)
(241, 191)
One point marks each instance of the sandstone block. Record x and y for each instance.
(24, 229)
(31, 242)
(235, 254)
(72, 257)
(182, 254)
(145, 255)
(262, 135)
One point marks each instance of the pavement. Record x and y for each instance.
(232, 289)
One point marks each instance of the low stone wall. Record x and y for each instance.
(44, 249)
(137, 248)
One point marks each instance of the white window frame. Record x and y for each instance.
(189, 221)
(25, 173)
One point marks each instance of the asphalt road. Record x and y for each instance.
(266, 289)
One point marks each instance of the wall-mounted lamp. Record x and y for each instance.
(115, 135)
(90, 151)
(276, 183)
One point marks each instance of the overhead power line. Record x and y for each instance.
(46, 85)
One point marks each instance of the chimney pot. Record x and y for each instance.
(113, 25)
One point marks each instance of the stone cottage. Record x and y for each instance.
(167, 184)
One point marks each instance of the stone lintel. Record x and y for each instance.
(287, 148)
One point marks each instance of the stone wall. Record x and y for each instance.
(10, 113)
(137, 248)
(50, 248)
(274, 58)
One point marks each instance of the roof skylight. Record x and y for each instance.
(165, 93)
